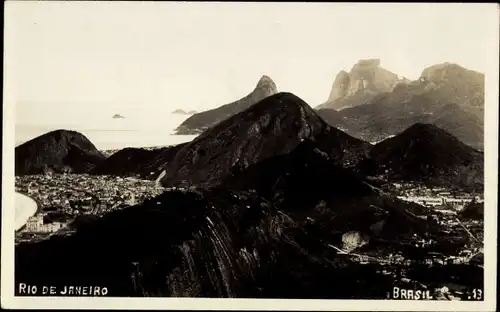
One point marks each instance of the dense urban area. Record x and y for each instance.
(61, 198)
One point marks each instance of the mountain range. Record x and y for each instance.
(446, 95)
(262, 199)
(199, 122)
(372, 103)
(272, 127)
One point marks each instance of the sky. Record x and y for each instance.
(73, 61)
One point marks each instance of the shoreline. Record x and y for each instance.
(37, 210)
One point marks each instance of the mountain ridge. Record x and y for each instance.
(201, 121)
(147, 163)
(429, 99)
(283, 119)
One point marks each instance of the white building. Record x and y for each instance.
(35, 224)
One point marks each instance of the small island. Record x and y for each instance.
(116, 116)
(179, 111)
(183, 112)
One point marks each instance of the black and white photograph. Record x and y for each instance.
(282, 155)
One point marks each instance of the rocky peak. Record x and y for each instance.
(365, 80)
(340, 85)
(202, 121)
(267, 84)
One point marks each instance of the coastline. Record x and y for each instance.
(37, 210)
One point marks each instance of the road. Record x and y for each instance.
(25, 207)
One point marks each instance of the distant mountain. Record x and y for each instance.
(387, 114)
(383, 118)
(57, 151)
(192, 112)
(427, 154)
(201, 121)
(275, 125)
(179, 111)
(118, 116)
(449, 82)
(439, 97)
(365, 80)
(147, 163)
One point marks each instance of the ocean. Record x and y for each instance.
(109, 133)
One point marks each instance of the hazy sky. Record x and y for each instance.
(73, 60)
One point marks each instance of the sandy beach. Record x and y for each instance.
(25, 207)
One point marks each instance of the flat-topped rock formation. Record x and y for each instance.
(365, 80)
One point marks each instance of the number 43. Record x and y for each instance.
(477, 294)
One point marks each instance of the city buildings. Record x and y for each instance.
(433, 196)
(62, 197)
(35, 225)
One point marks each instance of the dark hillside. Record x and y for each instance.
(427, 153)
(275, 125)
(57, 151)
(147, 163)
